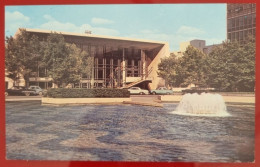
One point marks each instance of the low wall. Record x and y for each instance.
(227, 99)
(60, 101)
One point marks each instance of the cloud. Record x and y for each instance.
(186, 31)
(15, 20)
(48, 17)
(183, 34)
(101, 21)
(53, 24)
(211, 41)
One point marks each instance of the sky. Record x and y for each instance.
(173, 23)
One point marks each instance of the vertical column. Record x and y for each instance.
(92, 80)
(111, 77)
(123, 69)
(119, 72)
(143, 61)
(104, 73)
(133, 68)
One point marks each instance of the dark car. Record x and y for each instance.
(20, 91)
(198, 90)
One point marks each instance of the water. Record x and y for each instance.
(205, 104)
(127, 133)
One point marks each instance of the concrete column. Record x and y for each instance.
(143, 61)
(92, 80)
(111, 77)
(123, 69)
(133, 69)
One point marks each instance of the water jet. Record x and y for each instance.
(204, 104)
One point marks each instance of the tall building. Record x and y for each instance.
(241, 21)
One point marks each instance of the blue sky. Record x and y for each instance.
(173, 23)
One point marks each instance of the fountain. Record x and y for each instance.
(205, 104)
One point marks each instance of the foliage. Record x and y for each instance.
(66, 63)
(167, 70)
(87, 93)
(233, 67)
(228, 67)
(21, 53)
(193, 67)
(190, 68)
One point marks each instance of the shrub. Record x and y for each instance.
(87, 93)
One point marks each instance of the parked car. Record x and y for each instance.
(137, 90)
(38, 90)
(19, 90)
(198, 90)
(161, 90)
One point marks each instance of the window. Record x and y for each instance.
(229, 25)
(237, 36)
(233, 36)
(241, 23)
(245, 34)
(241, 37)
(254, 20)
(249, 21)
(245, 21)
(237, 23)
(229, 36)
(254, 32)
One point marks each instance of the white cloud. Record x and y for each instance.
(15, 20)
(53, 24)
(186, 30)
(48, 17)
(183, 34)
(101, 21)
(211, 41)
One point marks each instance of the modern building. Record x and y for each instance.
(241, 21)
(118, 62)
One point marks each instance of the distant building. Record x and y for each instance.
(241, 21)
(118, 62)
(197, 43)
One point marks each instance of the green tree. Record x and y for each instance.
(20, 55)
(66, 63)
(167, 70)
(194, 67)
(232, 66)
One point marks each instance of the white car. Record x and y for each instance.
(38, 90)
(137, 90)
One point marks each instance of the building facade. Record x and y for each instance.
(196, 43)
(118, 62)
(241, 21)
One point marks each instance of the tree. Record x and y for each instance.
(64, 62)
(20, 55)
(167, 70)
(193, 67)
(232, 66)
(183, 71)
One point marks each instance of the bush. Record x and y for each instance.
(87, 93)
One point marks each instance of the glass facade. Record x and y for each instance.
(241, 21)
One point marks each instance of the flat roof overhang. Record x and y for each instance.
(122, 42)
